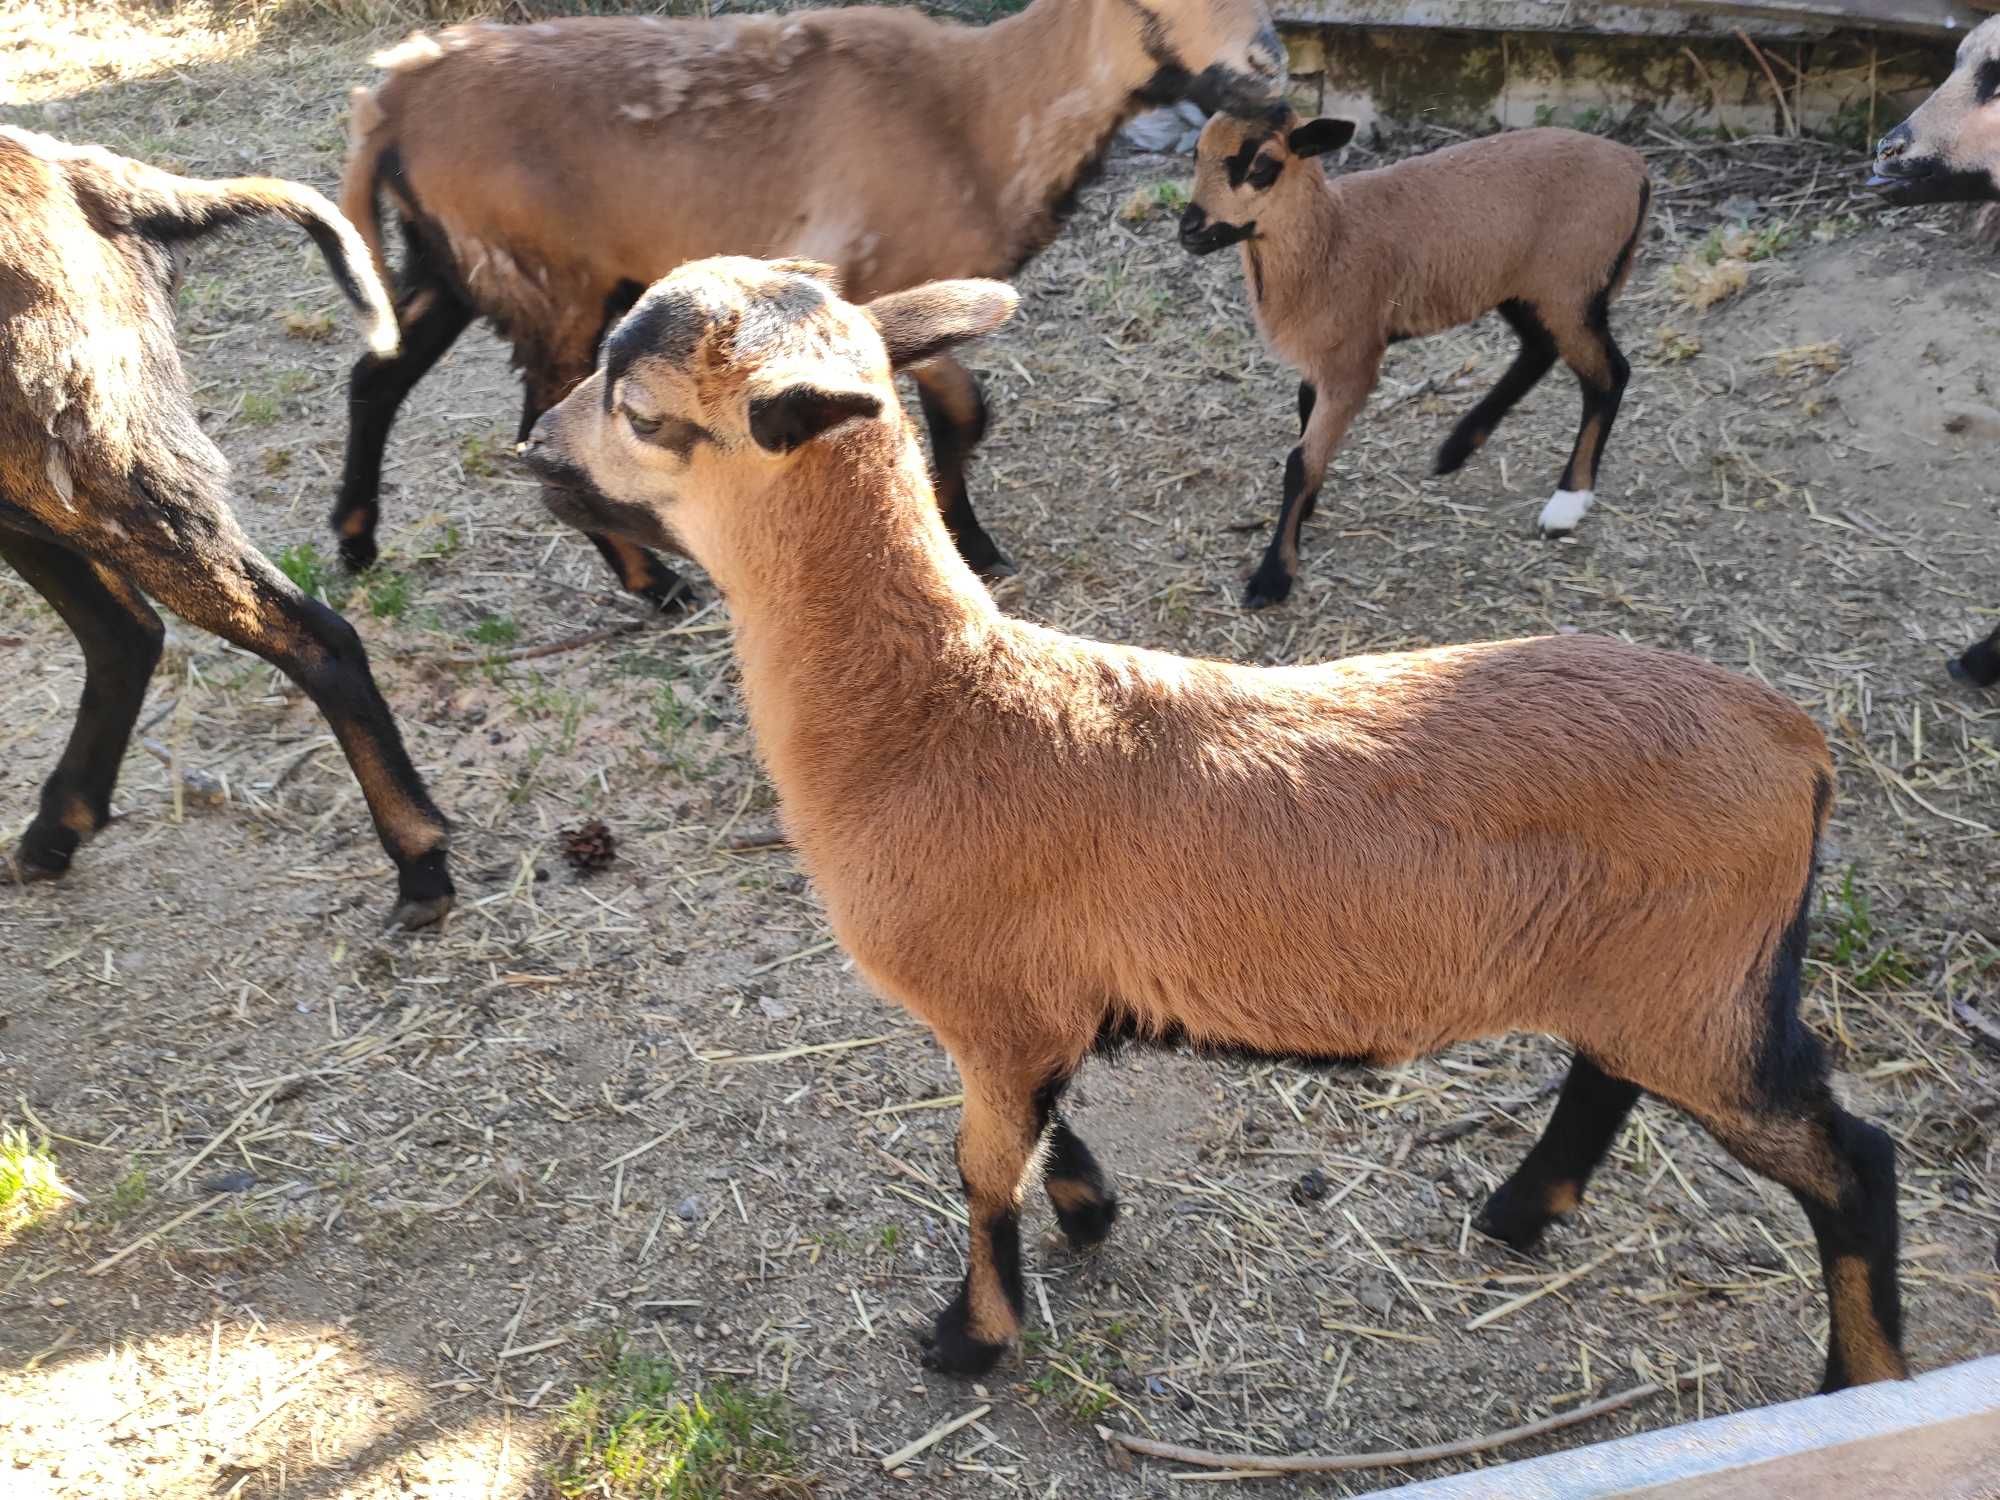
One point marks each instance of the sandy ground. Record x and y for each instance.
(357, 1213)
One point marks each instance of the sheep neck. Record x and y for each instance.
(1043, 92)
(851, 607)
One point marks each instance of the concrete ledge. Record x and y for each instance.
(1933, 1438)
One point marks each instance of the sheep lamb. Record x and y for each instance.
(1041, 844)
(1539, 225)
(544, 174)
(110, 490)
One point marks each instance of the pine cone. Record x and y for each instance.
(588, 848)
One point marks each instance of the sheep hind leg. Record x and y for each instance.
(430, 317)
(638, 571)
(1602, 371)
(1536, 358)
(955, 411)
(120, 636)
(1085, 1204)
(1979, 663)
(997, 1140)
(1550, 1180)
(1842, 1171)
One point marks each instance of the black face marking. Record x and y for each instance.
(775, 310)
(1237, 164)
(668, 325)
(675, 434)
(1263, 172)
(1986, 81)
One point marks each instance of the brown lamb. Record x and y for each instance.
(1948, 151)
(110, 491)
(546, 173)
(1537, 224)
(1041, 844)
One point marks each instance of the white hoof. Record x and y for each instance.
(1564, 510)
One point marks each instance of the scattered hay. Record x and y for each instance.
(1701, 283)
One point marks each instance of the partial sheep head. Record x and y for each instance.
(721, 375)
(1222, 54)
(1948, 151)
(1239, 162)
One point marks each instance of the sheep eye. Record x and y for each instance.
(1263, 172)
(646, 427)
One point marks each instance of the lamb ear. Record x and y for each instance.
(826, 275)
(800, 413)
(925, 321)
(1316, 137)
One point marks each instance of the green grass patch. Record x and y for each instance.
(260, 408)
(1852, 945)
(302, 563)
(495, 630)
(634, 1434)
(30, 1186)
(388, 593)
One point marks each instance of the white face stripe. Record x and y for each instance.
(1564, 510)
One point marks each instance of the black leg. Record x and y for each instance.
(1307, 395)
(1085, 1204)
(1980, 662)
(431, 316)
(1272, 582)
(120, 636)
(1550, 1181)
(955, 411)
(1537, 357)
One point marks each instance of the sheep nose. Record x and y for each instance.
(1192, 220)
(1895, 143)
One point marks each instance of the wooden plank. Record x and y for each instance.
(1684, 18)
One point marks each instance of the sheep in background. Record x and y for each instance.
(1041, 845)
(1538, 224)
(544, 174)
(110, 490)
(1948, 151)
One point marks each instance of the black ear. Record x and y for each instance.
(800, 413)
(924, 321)
(1318, 136)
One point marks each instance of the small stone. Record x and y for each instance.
(1310, 1188)
(1156, 1386)
(775, 1010)
(239, 1181)
(689, 1208)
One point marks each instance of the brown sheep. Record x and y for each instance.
(544, 174)
(1948, 151)
(110, 491)
(1538, 224)
(1368, 859)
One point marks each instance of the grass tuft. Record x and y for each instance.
(631, 1433)
(30, 1186)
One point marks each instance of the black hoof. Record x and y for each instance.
(25, 868)
(425, 893)
(358, 553)
(952, 1349)
(983, 557)
(1087, 1226)
(1267, 589)
(1964, 669)
(676, 596)
(1508, 1220)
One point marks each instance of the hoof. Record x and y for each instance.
(411, 914)
(674, 597)
(1453, 453)
(1566, 508)
(1965, 671)
(1266, 590)
(22, 868)
(951, 1347)
(358, 553)
(1509, 1221)
(1086, 1227)
(999, 566)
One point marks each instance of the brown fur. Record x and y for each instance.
(550, 164)
(1539, 223)
(1370, 858)
(109, 487)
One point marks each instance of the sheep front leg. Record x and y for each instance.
(955, 411)
(1337, 400)
(997, 1139)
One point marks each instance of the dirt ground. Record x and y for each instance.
(355, 1214)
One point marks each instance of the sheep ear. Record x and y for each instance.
(1316, 137)
(925, 321)
(800, 413)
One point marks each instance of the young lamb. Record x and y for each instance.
(1948, 151)
(1538, 224)
(898, 147)
(110, 490)
(1368, 859)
